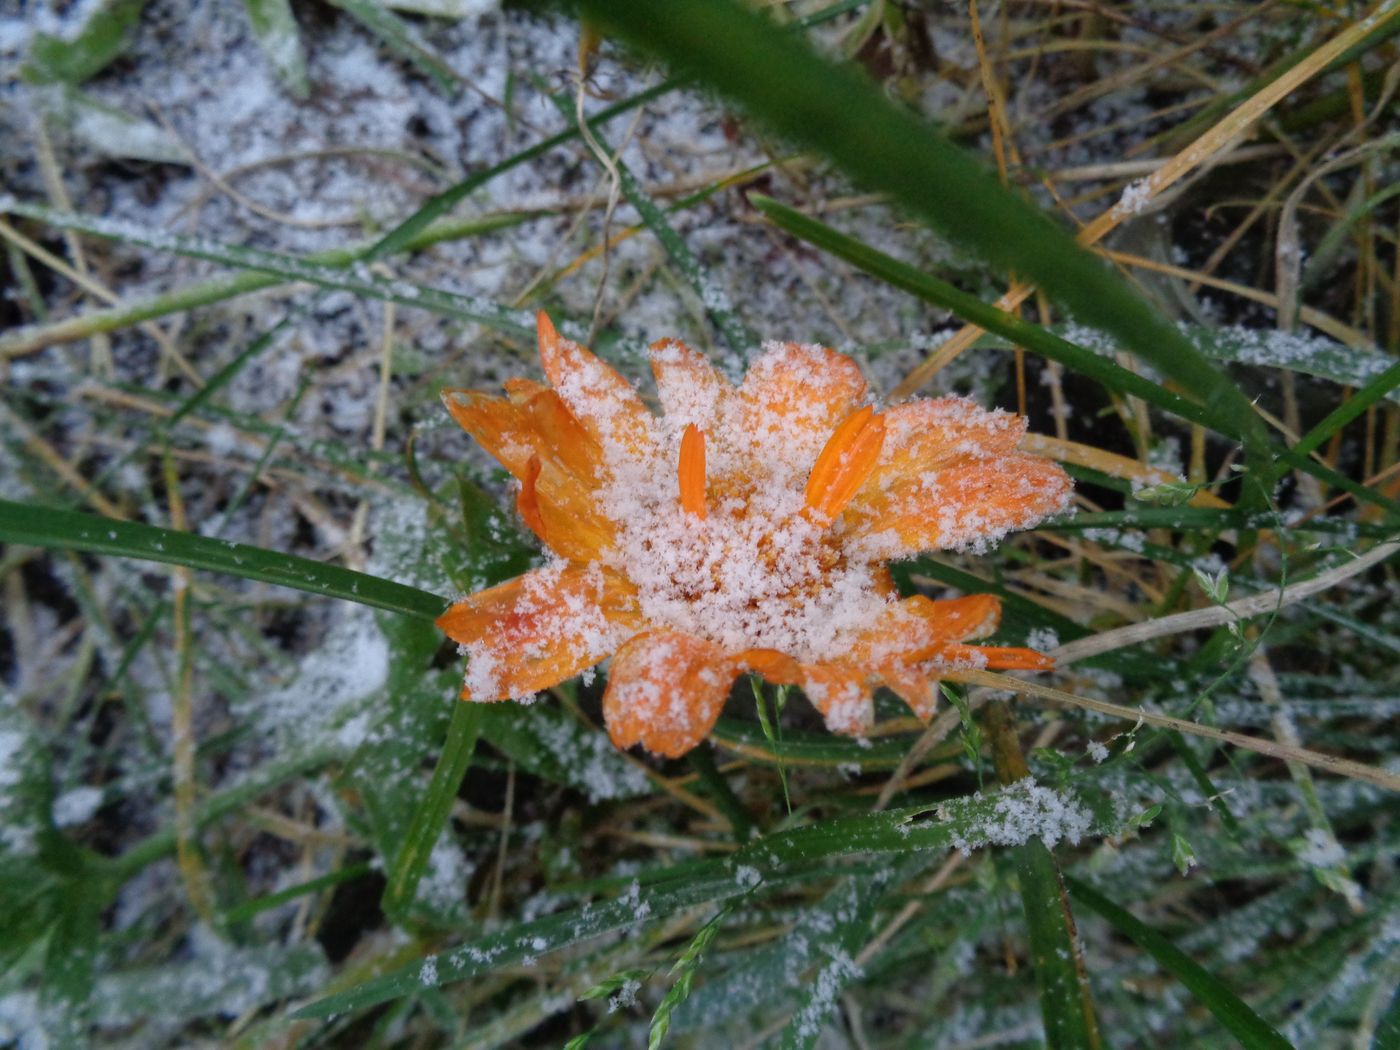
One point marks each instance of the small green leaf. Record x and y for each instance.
(1183, 856)
(1167, 494)
(1146, 817)
(615, 983)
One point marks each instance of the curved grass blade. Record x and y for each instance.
(968, 307)
(71, 530)
(1244, 1024)
(286, 267)
(885, 147)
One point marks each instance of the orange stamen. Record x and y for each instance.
(846, 461)
(527, 500)
(691, 470)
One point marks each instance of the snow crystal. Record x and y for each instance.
(1136, 196)
(428, 972)
(1320, 850)
(1097, 751)
(626, 995)
(747, 877)
(1043, 639)
(1026, 810)
(76, 806)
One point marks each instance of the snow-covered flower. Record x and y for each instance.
(746, 529)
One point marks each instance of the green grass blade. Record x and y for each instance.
(431, 815)
(886, 147)
(1244, 1024)
(1023, 333)
(71, 530)
(287, 267)
(276, 30)
(398, 37)
(1348, 410)
(248, 909)
(1065, 1004)
(33, 337)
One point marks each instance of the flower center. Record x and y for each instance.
(751, 559)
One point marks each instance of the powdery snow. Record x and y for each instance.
(1026, 810)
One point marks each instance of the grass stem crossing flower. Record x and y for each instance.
(746, 529)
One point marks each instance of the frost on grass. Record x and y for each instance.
(443, 885)
(1021, 812)
(210, 977)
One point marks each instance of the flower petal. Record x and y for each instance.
(603, 401)
(539, 629)
(908, 630)
(967, 503)
(665, 691)
(841, 691)
(692, 391)
(795, 395)
(535, 423)
(914, 686)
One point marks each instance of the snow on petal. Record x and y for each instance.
(968, 503)
(665, 691)
(792, 399)
(539, 629)
(596, 394)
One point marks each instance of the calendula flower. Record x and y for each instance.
(747, 529)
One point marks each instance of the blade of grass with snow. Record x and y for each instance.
(767, 864)
(433, 809)
(968, 307)
(357, 279)
(38, 526)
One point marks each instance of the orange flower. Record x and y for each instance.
(746, 529)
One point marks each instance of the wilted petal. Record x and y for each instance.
(540, 629)
(665, 690)
(603, 401)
